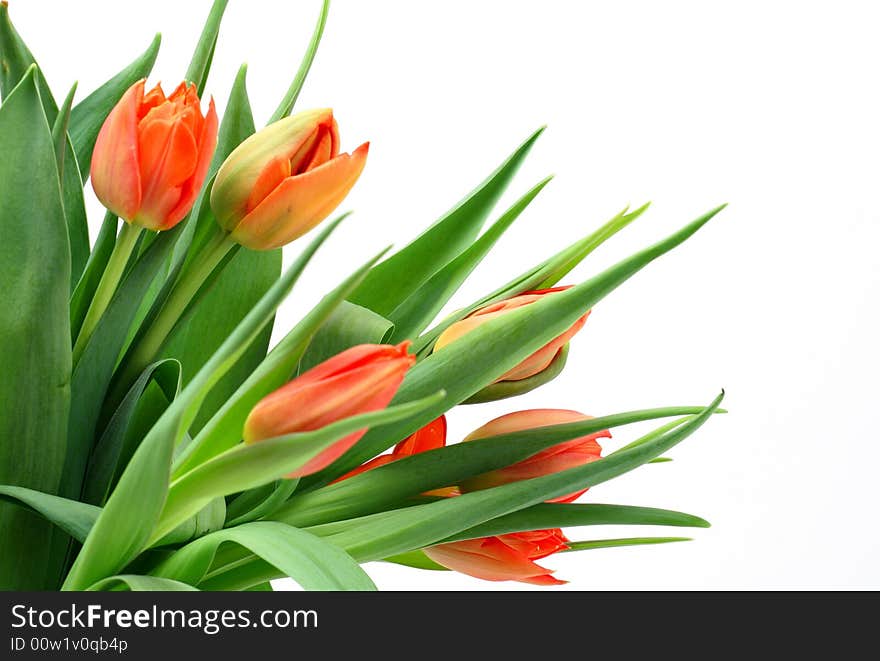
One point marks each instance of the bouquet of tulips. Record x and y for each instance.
(150, 439)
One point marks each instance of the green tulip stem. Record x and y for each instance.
(148, 346)
(122, 250)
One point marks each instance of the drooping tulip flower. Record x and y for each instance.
(358, 380)
(152, 155)
(535, 363)
(429, 437)
(285, 179)
(560, 457)
(507, 557)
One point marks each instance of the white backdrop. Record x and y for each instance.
(771, 107)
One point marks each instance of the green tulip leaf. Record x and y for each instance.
(136, 583)
(34, 331)
(121, 436)
(559, 515)
(414, 314)
(286, 106)
(200, 64)
(398, 277)
(73, 517)
(308, 560)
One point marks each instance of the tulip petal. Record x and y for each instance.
(300, 202)
(168, 157)
(429, 437)
(190, 190)
(114, 168)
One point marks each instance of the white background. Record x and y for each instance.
(772, 107)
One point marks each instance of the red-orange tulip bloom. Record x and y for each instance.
(569, 454)
(152, 155)
(358, 380)
(535, 363)
(429, 437)
(503, 558)
(285, 179)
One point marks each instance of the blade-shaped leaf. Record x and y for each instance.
(34, 331)
(127, 521)
(277, 495)
(85, 288)
(73, 517)
(119, 441)
(415, 313)
(557, 515)
(286, 106)
(16, 59)
(71, 192)
(593, 544)
(136, 583)
(390, 485)
(477, 359)
(200, 64)
(398, 277)
(309, 560)
(380, 535)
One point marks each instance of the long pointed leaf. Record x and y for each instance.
(398, 277)
(413, 315)
(309, 560)
(34, 331)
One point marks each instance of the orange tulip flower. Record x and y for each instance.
(535, 363)
(152, 155)
(560, 457)
(285, 179)
(358, 380)
(507, 557)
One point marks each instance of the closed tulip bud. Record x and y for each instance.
(152, 155)
(285, 179)
(507, 557)
(535, 363)
(560, 457)
(358, 380)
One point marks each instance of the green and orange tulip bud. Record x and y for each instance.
(152, 155)
(358, 380)
(560, 457)
(507, 557)
(285, 179)
(538, 361)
